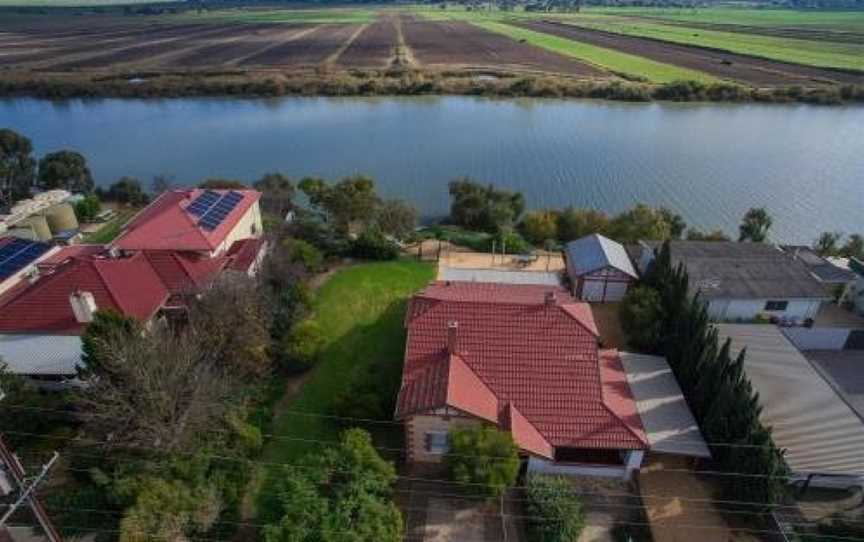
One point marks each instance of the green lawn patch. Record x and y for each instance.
(360, 310)
(111, 229)
(614, 61)
(291, 16)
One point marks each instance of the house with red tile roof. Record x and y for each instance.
(175, 247)
(526, 359)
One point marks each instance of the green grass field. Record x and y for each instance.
(291, 16)
(815, 53)
(850, 21)
(111, 229)
(360, 310)
(614, 61)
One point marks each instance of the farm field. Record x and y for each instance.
(747, 69)
(595, 45)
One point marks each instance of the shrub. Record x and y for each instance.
(483, 458)
(301, 346)
(372, 245)
(87, 208)
(641, 318)
(539, 226)
(554, 512)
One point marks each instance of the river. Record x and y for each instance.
(710, 162)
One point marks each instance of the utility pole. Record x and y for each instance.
(9, 465)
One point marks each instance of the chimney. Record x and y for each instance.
(83, 305)
(550, 298)
(452, 335)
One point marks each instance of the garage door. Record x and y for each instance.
(592, 290)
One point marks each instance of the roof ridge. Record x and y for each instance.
(106, 283)
(641, 438)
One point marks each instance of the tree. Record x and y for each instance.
(554, 512)
(127, 191)
(540, 226)
(88, 208)
(854, 247)
(107, 329)
(342, 493)
(222, 184)
(484, 458)
(65, 170)
(277, 194)
(576, 223)
(484, 208)
(372, 245)
(17, 166)
(161, 183)
(170, 510)
(396, 218)
(349, 202)
(640, 222)
(717, 235)
(826, 243)
(755, 225)
(675, 221)
(641, 318)
(300, 347)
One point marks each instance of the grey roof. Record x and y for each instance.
(499, 276)
(820, 432)
(668, 423)
(730, 270)
(819, 266)
(594, 252)
(41, 354)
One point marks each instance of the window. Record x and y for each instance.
(436, 442)
(776, 306)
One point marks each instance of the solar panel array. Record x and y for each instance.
(18, 254)
(217, 212)
(203, 202)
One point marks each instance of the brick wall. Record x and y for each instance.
(416, 428)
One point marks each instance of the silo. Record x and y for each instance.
(61, 218)
(38, 225)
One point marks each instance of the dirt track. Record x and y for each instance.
(373, 48)
(743, 68)
(306, 48)
(455, 43)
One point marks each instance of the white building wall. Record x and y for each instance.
(731, 310)
(249, 225)
(817, 338)
(632, 463)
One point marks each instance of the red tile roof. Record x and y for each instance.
(129, 285)
(182, 272)
(244, 253)
(166, 225)
(534, 348)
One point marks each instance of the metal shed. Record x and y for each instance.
(600, 269)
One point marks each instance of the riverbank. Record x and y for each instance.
(399, 82)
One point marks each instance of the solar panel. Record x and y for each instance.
(202, 203)
(220, 209)
(18, 254)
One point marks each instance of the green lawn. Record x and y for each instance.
(360, 310)
(294, 16)
(614, 61)
(811, 52)
(111, 229)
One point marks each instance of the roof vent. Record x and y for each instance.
(83, 305)
(452, 336)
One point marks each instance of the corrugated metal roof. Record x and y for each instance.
(669, 424)
(500, 276)
(819, 431)
(594, 252)
(41, 354)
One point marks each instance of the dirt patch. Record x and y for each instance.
(461, 44)
(752, 70)
(311, 48)
(373, 48)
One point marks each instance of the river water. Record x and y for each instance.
(710, 162)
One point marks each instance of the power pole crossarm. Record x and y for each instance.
(13, 467)
(25, 495)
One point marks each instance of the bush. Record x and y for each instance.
(539, 226)
(87, 209)
(554, 512)
(641, 318)
(372, 245)
(301, 346)
(483, 458)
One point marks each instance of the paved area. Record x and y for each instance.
(609, 325)
(833, 315)
(844, 370)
